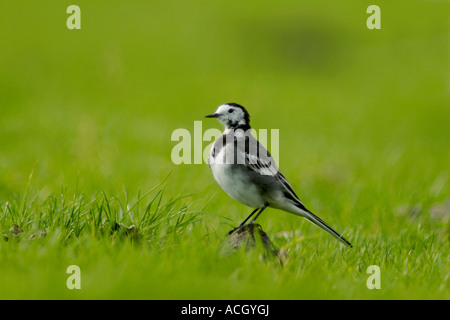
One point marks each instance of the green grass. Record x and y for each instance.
(174, 254)
(363, 118)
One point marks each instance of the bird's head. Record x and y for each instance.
(232, 116)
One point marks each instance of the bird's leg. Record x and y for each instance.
(260, 211)
(243, 222)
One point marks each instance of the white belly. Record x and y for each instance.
(235, 184)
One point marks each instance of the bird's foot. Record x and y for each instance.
(251, 223)
(232, 231)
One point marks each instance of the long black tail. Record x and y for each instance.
(302, 211)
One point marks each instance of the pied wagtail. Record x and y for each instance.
(247, 172)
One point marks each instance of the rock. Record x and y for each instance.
(121, 231)
(133, 232)
(15, 231)
(250, 236)
(37, 235)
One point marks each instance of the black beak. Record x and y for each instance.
(214, 115)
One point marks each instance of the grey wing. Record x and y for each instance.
(259, 160)
(256, 157)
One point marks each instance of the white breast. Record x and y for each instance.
(234, 181)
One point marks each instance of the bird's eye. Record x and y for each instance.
(230, 110)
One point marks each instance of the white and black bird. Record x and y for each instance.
(247, 172)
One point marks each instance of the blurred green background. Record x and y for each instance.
(364, 115)
(99, 104)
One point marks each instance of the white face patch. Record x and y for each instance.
(230, 119)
